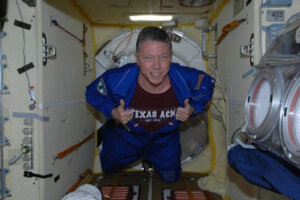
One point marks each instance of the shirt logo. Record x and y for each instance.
(101, 87)
(153, 116)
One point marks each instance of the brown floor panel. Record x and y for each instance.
(141, 179)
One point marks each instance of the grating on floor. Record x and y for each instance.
(135, 186)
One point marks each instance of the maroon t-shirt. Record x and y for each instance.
(153, 111)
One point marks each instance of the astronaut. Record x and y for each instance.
(148, 99)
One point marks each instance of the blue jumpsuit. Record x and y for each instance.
(122, 147)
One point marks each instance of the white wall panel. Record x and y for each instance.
(61, 118)
(232, 66)
(67, 126)
(16, 97)
(64, 82)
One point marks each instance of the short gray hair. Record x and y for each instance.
(152, 33)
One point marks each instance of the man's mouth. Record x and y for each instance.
(155, 74)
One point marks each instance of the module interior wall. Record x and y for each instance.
(231, 66)
(64, 77)
(61, 82)
(16, 98)
(67, 126)
(64, 82)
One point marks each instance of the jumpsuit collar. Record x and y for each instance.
(127, 81)
(180, 86)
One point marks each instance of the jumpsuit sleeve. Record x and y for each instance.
(202, 89)
(99, 95)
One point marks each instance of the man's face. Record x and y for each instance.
(154, 60)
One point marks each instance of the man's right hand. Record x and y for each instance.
(121, 115)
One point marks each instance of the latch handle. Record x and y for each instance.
(15, 158)
(49, 51)
(247, 50)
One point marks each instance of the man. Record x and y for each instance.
(148, 99)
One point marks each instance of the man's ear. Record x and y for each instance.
(136, 58)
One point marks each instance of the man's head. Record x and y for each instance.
(152, 33)
(153, 56)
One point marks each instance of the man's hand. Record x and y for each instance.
(182, 114)
(121, 115)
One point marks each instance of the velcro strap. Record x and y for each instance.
(22, 24)
(25, 68)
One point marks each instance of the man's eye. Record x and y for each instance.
(147, 58)
(163, 57)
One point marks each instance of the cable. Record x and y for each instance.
(101, 65)
(82, 176)
(217, 108)
(212, 146)
(222, 93)
(229, 27)
(69, 150)
(115, 56)
(189, 191)
(24, 56)
(53, 21)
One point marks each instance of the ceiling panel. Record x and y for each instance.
(118, 11)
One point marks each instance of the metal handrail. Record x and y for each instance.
(204, 32)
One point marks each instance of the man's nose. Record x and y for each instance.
(157, 63)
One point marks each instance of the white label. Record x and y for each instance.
(275, 15)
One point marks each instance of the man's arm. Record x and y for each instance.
(202, 92)
(99, 96)
(183, 114)
(122, 115)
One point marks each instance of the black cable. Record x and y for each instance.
(29, 174)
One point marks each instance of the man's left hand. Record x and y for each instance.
(182, 114)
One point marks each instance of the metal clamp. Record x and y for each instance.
(3, 87)
(4, 142)
(175, 36)
(88, 67)
(48, 51)
(204, 32)
(247, 50)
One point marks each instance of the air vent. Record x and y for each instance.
(196, 3)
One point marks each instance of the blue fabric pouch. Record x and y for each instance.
(266, 170)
